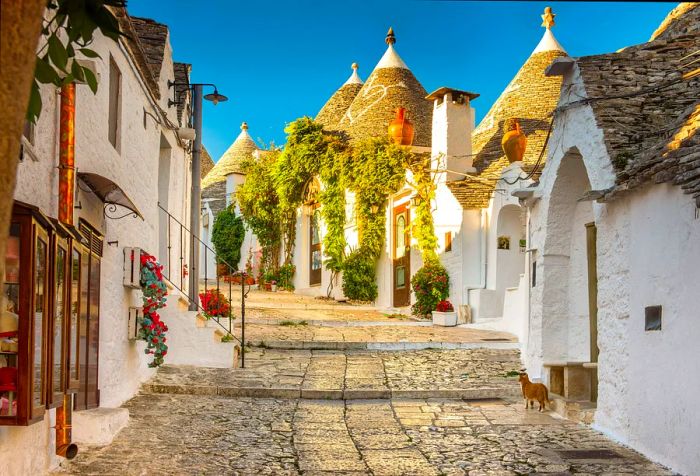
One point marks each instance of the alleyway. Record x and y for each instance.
(325, 408)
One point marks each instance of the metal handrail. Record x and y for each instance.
(233, 272)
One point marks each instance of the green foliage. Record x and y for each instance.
(286, 277)
(227, 236)
(431, 284)
(68, 30)
(258, 202)
(310, 152)
(423, 228)
(377, 170)
(359, 275)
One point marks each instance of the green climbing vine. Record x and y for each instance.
(373, 169)
(310, 152)
(431, 282)
(259, 205)
(376, 171)
(423, 227)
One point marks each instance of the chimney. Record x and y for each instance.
(453, 123)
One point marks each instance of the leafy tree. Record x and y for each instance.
(227, 236)
(259, 204)
(67, 31)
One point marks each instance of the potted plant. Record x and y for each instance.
(445, 314)
(273, 286)
(214, 305)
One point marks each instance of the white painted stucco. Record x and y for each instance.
(648, 253)
(144, 150)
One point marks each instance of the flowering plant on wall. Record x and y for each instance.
(154, 296)
(215, 304)
(445, 306)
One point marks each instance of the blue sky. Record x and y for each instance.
(279, 60)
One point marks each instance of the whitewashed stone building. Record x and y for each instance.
(131, 166)
(219, 187)
(614, 233)
(468, 216)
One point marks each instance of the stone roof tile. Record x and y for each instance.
(646, 100)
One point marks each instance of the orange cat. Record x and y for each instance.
(533, 391)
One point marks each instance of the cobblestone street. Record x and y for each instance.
(329, 409)
(185, 434)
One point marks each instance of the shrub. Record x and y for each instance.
(358, 276)
(285, 277)
(431, 284)
(445, 306)
(227, 235)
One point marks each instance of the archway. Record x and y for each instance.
(566, 324)
(510, 251)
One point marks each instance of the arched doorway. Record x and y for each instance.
(510, 250)
(569, 303)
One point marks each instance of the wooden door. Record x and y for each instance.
(592, 255)
(315, 253)
(401, 256)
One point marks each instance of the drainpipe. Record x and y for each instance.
(66, 155)
(66, 191)
(64, 429)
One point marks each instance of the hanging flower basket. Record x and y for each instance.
(151, 328)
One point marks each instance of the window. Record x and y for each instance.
(115, 84)
(448, 241)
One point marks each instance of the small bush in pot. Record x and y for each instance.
(431, 284)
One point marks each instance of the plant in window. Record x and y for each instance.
(152, 329)
(215, 304)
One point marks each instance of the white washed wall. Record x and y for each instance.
(648, 254)
(134, 167)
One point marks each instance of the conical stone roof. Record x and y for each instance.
(530, 98)
(332, 112)
(242, 148)
(390, 86)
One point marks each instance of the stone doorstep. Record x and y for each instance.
(333, 394)
(579, 411)
(98, 426)
(380, 346)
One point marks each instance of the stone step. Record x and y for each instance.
(378, 346)
(580, 411)
(328, 323)
(478, 393)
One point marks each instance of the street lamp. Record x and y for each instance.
(195, 202)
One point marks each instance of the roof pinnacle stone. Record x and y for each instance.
(548, 42)
(548, 18)
(244, 126)
(390, 37)
(354, 77)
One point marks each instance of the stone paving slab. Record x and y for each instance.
(212, 435)
(362, 336)
(351, 375)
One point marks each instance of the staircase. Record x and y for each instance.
(193, 339)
